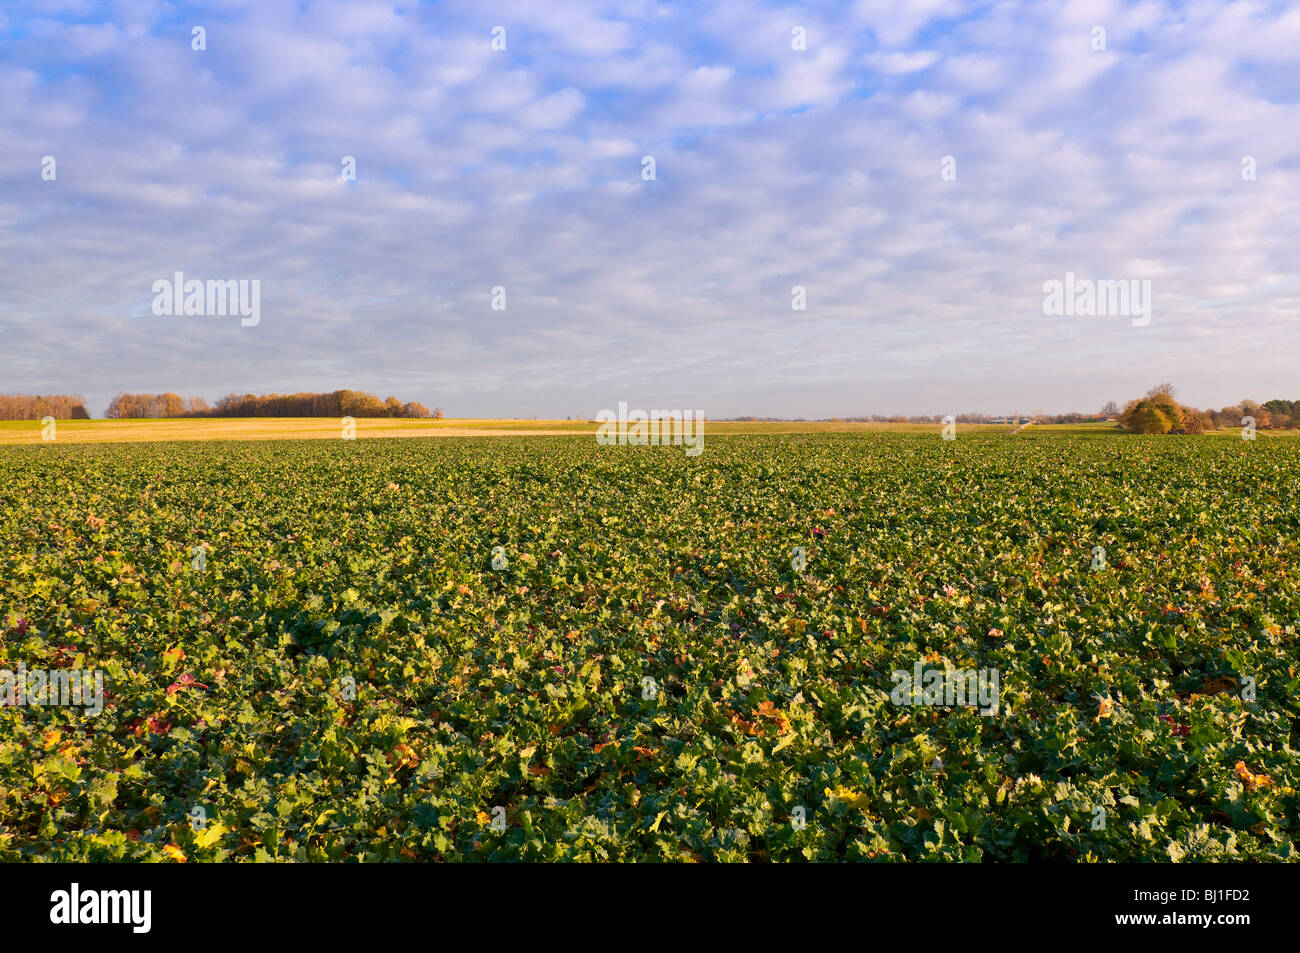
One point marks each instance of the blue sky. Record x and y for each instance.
(776, 167)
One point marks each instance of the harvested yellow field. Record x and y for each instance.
(274, 428)
(331, 428)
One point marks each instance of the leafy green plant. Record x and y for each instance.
(647, 676)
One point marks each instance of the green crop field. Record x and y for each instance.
(540, 648)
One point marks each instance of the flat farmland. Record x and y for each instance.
(534, 647)
(314, 428)
(273, 428)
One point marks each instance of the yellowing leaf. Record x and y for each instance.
(209, 835)
(848, 796)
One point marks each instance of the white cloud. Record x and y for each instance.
(775, 167)
(897, 63)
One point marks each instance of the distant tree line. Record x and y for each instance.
(339, 403)
(139, 406)
(1158, 412)
(1155, 412)
(37, 406)
(1070, 418)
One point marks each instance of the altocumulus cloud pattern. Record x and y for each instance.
(918, 171)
